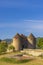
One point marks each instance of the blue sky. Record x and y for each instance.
(22, 16)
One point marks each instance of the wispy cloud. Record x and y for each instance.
(27, 24)
(19, 3)
(14, 4)
(38, 21)
(39, 27)
(34, 26)
(13, 25)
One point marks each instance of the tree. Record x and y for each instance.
(3, 47)
(11, 47)
(40, 43)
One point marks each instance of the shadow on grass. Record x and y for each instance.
(15, 61)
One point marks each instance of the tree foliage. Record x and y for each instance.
(11, 47)
(3, 47)
(40, 43)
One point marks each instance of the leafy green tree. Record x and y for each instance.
(3, 47)
(40, 43)
(11, 47)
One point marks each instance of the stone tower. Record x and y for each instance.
(31, 41)
(21, 42)
(17, 42)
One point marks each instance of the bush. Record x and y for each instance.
(11, 48)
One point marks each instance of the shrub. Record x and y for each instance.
(11, 48)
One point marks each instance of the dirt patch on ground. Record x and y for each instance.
(21, 57)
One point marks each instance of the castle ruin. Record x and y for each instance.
(21, 42)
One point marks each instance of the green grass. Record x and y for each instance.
(37, 61)
(6, 61)
(13, 60)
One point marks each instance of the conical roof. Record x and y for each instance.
(31, 36)
(17, 35)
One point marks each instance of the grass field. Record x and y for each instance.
(36, 61)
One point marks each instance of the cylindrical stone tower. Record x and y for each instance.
(17, 42)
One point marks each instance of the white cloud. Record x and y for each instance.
(26, 25)
(38, 21)
(13, 24)
(40, 26)
(19, 3)
(31, 26)
(34, 26)
(14, 3)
